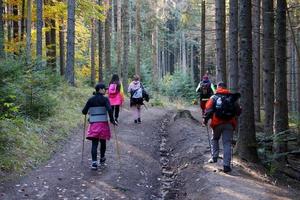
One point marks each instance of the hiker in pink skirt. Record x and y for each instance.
(115, 95)
(97, 107)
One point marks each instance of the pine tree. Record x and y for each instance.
(2, 54)
(71, 43)
(220, 40)
(268, 64)
(281, 121)
(233, 46)
(39, 27)
(126, 45)
(246, 146)
(256, 18)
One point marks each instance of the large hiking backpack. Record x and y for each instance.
(224, 105)
(205, 89)
(112, 90)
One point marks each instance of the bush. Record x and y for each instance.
(178, 86)
(25, 90)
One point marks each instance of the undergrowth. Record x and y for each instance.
(38, 111)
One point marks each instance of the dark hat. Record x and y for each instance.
(100, 86)
(222, 84)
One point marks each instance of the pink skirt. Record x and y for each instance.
(98, 130)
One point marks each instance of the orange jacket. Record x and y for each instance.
(215, 121)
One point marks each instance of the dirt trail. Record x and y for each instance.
(160, 159)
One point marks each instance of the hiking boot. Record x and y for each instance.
(102, 160)
(135, 121)
(116, 120)
(213, 160)
(139, 120)
(227, 169)
(94, 165)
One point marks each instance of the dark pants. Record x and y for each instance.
(95, 143)
(116, 110)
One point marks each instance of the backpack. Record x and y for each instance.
(205, 88)
(224, 105)
(137, 94)
(140, 93)
(112, 90)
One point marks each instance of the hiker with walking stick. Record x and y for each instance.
(97, 108)
(222, 108)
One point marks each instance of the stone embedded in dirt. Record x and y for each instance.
(167, 173)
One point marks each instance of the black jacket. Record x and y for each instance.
(96, 101)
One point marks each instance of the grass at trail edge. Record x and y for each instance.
(31, 142)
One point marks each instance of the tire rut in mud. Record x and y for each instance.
(172, 183)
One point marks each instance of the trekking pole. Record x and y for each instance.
(83, 138)
(117, 146)
(209, 140)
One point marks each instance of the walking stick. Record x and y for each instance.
(83, 138)
(209, 140)
(117, 146)
(232, 151)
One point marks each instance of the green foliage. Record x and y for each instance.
(10, 71)
(178, 86)
(26, 142)
(25, 90)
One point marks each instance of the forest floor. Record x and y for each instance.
(165, 157)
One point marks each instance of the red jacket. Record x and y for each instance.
(215, 121)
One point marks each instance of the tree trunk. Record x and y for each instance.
(246, 146)
(108, 39)
(281, 121)
(192, 65)
(39, 30)
(15, 24)
(125, 29)
(220, 41)
(9, 24)
(93, 69)
(184, 62)
(154, 56)
(28, 30)
(233, 46)
(138, 38)
(53, 44)
(71, 43)
(23, 20)
(268, 64)
(119, 37)
(256, 57)
(62, 48)
(2, 53)
(202, 65)
(100, 48)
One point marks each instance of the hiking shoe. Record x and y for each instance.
(116, 120)
(135, 121)
(139, 120)
(102, 161)
(94, 165)
(227, 169)
(213, 160)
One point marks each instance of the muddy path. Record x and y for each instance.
(162, 158)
